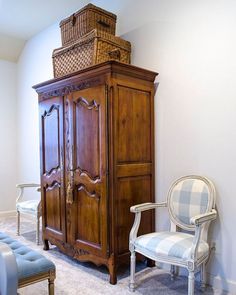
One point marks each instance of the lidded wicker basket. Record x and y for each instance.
(93, 48)
(85, 20)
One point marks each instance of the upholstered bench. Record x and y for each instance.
(21, 266)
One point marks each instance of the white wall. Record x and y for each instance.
(192, 45)
(34, 66)
(8, 135)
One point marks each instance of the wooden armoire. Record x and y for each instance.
(97, 160)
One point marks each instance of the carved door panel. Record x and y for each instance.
(86, 170)
(134, 159)
(52, 158)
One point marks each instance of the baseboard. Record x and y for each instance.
(8, 213)
(221, 284)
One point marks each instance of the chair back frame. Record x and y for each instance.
(175, 222)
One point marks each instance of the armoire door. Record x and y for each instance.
(134, 158)
(86, 177)
(52, 167)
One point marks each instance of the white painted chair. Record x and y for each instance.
(191, 206)
(30, 207)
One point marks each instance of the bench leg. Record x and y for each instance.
(51, 286)
(52, 276)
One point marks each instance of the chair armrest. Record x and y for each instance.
(201, 218)
(9, 272)
(146, 206)
(23, 185)
(39, 208)
(198, 220)
(137, 209)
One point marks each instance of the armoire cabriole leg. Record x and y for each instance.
(113, 277)
(45, 245)
(112, 267)
(203, 277)
(191, 283)
(18, 223)
(132, 270)
(150, 262)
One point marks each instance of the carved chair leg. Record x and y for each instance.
(191, 279)
(132, 271)
(18, 223)
(176, 271)
(51, 286)
(203, 277)
(37, 228)
(172, 272)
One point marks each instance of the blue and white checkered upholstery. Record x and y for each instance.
(172, 244)
(189, 198)
(28, 206)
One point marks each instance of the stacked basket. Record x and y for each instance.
(88, 38)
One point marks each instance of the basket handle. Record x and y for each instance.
(72, 20)
(114, 54)
(104, 24)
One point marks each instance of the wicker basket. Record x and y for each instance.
(85, 20)
(93, 48)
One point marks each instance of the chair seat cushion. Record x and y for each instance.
(28, 206)
(29, 262)
(171, 244)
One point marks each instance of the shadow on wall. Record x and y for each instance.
(148, 45)
(215, 272)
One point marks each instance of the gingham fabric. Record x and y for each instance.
(27, 206)
(188, 199)
(172, 244)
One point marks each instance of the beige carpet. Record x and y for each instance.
(74, 278)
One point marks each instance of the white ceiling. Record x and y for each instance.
(22, 19)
